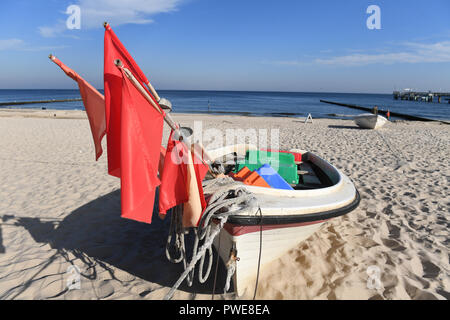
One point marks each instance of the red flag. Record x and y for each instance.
(140, 147)
(94, 103)
(114, 49)
(162, 154)
(173, 190)
(181, 182)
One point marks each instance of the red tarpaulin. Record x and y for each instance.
(94, 103)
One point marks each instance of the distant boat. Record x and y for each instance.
(370, 121)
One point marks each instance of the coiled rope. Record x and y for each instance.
(226, 197)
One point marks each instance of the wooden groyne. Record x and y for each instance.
(394, 114)
(17, 103)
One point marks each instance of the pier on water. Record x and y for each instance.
(422, 96)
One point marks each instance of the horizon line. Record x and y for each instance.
(215, 90)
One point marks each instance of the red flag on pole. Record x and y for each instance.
(94, 103)
(113, 50)
(173, 190)
(162, 155)
(140, 134)
(181, 183)
(134, 132)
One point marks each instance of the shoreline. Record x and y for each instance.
(81, 114)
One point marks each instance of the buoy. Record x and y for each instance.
(388, 114)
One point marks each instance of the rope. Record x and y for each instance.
(230, 272)
(217, 268)
(175, 228)
(395, 152)
(227, 197)
(260, 251)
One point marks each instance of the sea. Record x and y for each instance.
(251, 103)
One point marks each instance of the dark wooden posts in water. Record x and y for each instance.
(15, 103)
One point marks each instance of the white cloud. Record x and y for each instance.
(116, 12)
(10, 44)
(50, 32)
(20, 45)
(285, 62)
(410, 53)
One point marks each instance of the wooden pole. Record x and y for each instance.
(144, 92)
(174, 126)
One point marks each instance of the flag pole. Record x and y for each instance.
(140, 88)
(163, 102)
(172, 124)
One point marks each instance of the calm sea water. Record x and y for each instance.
(295, 104)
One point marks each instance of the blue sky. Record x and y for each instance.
(289, 45)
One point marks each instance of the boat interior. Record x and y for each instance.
(311, 173)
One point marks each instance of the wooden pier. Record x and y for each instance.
(422, 96)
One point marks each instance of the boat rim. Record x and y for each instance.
(262, 220)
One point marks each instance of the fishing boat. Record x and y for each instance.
(284, 217)
(370, 121)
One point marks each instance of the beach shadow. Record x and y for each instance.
(2, 248)
(345, 127)
(98, 238)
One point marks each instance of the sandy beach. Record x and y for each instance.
(58, 208)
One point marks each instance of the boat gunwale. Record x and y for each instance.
(262, 220)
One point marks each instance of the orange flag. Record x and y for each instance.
(94, 103)
(194, 207)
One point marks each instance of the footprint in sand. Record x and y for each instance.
(418, 294)
(393, 244)
(430, 270)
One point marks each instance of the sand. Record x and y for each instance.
(58, 208)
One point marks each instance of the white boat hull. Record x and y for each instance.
(274, 244)
(370, 121)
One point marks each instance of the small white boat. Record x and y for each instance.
(370, 121)
(286, 218)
